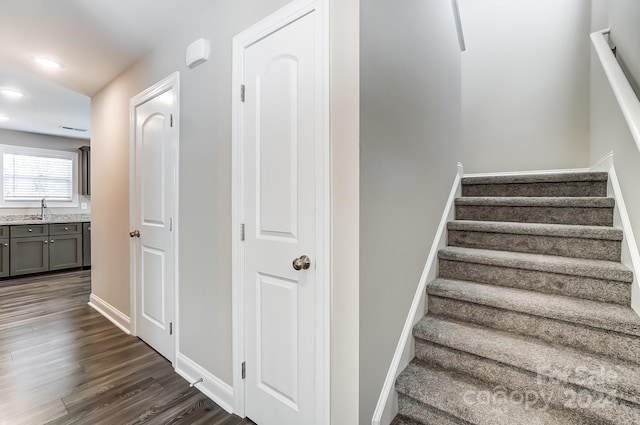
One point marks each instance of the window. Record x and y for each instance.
(30, 174)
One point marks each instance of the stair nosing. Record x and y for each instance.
(583, 312)
(538, 229)
(418, 371)
(537, 201)
(529, 354)
(538, 262)
(583, 177)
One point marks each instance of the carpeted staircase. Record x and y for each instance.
(529, 320)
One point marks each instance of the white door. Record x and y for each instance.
(279, 207)
(154, 176)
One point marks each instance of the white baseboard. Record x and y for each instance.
(211, 386)
(114, 315)
(387, 406)
(630, 254)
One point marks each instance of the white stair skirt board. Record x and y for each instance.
(112, 314)
(210, 385)
(630, 254)
(387, 405)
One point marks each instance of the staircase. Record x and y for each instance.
(529, 320)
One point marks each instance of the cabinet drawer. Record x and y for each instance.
(65, 228)
(4, 231)
(29, 230)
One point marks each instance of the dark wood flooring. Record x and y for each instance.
(63, 363)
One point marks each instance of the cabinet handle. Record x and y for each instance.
(6, 244)
(45, 241)
(31, 230)
(66, 228)
(52, 241)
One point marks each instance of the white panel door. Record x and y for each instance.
(155, 141)
(279, 203)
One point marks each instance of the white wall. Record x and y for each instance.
(345, 163)
(525, 84)
(34, 140)
(409, 121)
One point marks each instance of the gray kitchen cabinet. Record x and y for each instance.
(4, 257)
(29, 255)
(65, 251)
(86, 244)
(40, 248)
(85, 174)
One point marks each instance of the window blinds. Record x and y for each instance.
(33, 177)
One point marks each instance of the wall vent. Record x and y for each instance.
(82, 130)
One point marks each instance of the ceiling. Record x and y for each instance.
(94, 40)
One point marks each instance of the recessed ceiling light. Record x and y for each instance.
(4, 118)
(11, 92)
(48, 63)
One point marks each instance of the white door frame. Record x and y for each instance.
(170, 82)
(274, 22)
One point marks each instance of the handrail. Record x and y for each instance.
(626, 97)
(459, 30)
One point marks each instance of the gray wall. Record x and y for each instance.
(409, 120)
(35, 140)
(525, 84)
(205, 179)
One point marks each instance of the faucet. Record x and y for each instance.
(43, 208)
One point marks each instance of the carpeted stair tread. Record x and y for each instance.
(538, 229)
(454, 394)
(403, 420)
(541, 201)
(612, 317)
(609, 376)
(598, 269)
(538, 178)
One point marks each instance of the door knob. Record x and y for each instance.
(135, 234)
(301, 263)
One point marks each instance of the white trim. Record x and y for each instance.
(387, 407)
(630, 255)
(272, 23)
(211, 386)
(112, 314)
(171, 82)
(626, 97)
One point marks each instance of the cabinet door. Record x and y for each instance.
(29, 255)
(4, 257)
(86, 244)
(65, 252)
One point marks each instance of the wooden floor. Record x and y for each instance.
(63, 363)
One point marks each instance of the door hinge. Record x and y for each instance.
(242, 89)
(244, 370)
(170, 120)
(170, 328)
(242, 232)
(171, 225)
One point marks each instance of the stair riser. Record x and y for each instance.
(565, 189)
(585, 338)
(537, 214)
(596, 249)
(550, 283)
(505, 382)
(422, 413)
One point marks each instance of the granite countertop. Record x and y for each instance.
(16, 220)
